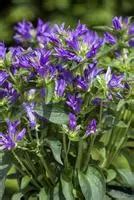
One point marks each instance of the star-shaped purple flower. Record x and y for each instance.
(9, 140)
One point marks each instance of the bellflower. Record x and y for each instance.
(115, 81)
(109, 38)
(29, 109)
(60, 86)
(9, 92)
(94, 48)
(3, 77)
(72, 121)
(91, 128)
(91, 72)
(9, 140)
(2, 50)
(74, 102)
(117, 23)
(23, 31)
(41, 30)
(66, 54)
(81, 83)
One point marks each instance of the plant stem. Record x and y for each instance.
(25, 169)
(65, 150)
(44, 163)
(89, 152)
(79, 156)
(66, 156)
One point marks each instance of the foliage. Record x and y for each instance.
(66, 112)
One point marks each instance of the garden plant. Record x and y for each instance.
(66, 112)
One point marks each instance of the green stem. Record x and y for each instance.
(65, 150)
(66, 156)
(25, 169)
(79, 156)
(113, 156)
(89, 152)
(44, 163)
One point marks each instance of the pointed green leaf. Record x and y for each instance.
(17, 196)
(25, 181)
(97, 183)
(56, 147)
(85, 185)
(67, 189)
(43, 195)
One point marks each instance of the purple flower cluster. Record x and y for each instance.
(67, 58)
(9, 139)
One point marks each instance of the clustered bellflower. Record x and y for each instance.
(65, 59)
(9, 139)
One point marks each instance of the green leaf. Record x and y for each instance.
(85, 185)
(56, 193)
(111, 174)
(119, 195)
(25, 181)
(43, 195)
(49, 92)
(56, 147)
(17, 196)
(96, 182)
(122, 166)
(67, 189)
(53, 112)
(4, 167)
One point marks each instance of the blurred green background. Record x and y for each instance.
(91, 12)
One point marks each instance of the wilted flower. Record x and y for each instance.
(29, 109)
(9, 140)
(91, 128)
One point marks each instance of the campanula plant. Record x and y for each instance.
(66, 111)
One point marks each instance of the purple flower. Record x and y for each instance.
(96, 101)
(115, 81)
(66, 54)
(117, 23)
(94, 48)
(29, 109)
(41, 31)
(23, 31)
(131, 42)
(60, 86)
(80, 30)
(81, 83)
(91, 72)
(9, 140)
(109, 38)
(2, 50)
(131, 29)
(3, 77)
(72, 121)
(91, 128)
(9, 92)
(74, 102)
